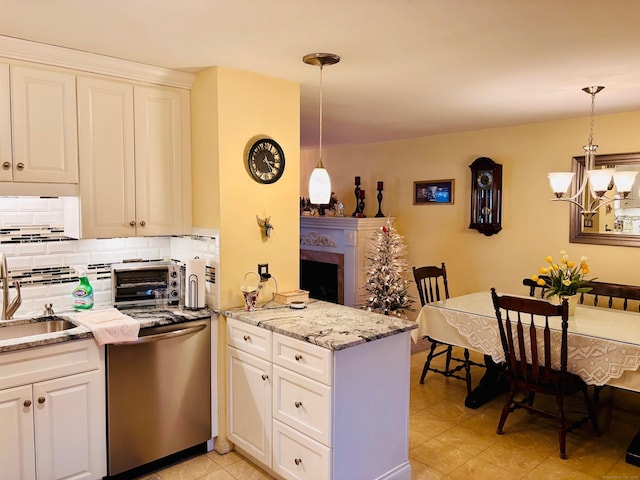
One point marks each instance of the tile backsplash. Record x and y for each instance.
(42, 259)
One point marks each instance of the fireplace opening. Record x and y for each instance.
(320, 279)
(322, 275)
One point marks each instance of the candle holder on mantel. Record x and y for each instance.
(357, 193)
(360, 213)
(380, 214)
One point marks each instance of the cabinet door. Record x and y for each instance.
(106, 149)
(45, 147)
(159, 163)
(249, 404)
(6, 159)
(70, 427)
(17, 453)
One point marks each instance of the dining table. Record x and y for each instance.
(603, 344)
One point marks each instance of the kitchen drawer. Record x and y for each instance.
(50, 361)
(297, 457)
(302, 403)
(249, 338)
(304, 358)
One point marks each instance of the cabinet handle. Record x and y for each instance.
(298, 461)
(20, 166)
(298, 404)
(298, 357)
(6, 165)
(142, 223)
(246, 338)
(27, 403)
(132, 223)
(41, 400)
(265, 377)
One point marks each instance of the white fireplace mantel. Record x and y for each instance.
(346, 236)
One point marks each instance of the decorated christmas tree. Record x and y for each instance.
(386, 285)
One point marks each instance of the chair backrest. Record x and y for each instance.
(535, 290)
(611, 292)
(431, 282)
(521, 322)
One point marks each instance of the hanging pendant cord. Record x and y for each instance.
(320, 143)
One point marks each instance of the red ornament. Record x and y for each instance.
(385, 229)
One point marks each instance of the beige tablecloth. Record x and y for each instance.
(604, 344)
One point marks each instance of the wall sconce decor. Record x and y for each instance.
(600, 180)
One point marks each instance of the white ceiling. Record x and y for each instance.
(409, 67)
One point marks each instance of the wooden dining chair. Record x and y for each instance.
(431, 282)
(523, 322)
(535, 290)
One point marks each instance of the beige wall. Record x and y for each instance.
(533, 227)
(230, 110)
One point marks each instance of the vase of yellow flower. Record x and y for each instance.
(564, 279)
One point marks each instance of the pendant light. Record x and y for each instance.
(319, 182)
(600, 181)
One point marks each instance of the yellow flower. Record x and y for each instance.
(563, 260)
(566, 282)
(541, 282)
(585, 270)
(543, 270)
(570, 264)
(548, 259)
(555, 267)
(534, 277)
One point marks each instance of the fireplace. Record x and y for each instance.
(332, 256)
(322, 275)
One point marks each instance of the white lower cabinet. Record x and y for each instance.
(340, 414)
(54, 428)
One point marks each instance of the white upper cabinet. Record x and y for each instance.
(6, 158)
(43, 110)
(160, 120)
(134, 163)
(107, 173)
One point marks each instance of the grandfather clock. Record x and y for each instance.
(486, 196)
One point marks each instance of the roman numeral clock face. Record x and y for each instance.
(265, 161)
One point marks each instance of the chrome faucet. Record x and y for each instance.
(8, 309)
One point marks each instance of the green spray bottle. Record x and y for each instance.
(83, 293)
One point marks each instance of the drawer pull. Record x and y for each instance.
(41, 400)
(265, 377)
(246, 338)
(298, 404)
(6, 165)
(298, 357)
(143, 223)
(20, 166)
(298, 461)
(27, 403)
(132, 223)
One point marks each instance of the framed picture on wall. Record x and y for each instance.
(433, 192)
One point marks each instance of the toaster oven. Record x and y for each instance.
(133, 284)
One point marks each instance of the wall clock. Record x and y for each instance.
(486, 196)
(265, 161)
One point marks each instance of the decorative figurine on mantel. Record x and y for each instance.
(360, 211)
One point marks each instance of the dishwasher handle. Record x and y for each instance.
(165, 335)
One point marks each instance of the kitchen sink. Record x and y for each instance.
(35, 327)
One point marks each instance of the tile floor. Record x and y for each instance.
(449, 441)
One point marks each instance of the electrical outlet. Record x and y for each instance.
(263, 271)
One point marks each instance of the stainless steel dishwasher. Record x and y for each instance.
(158, 394)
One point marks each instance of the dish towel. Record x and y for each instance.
(109, 325)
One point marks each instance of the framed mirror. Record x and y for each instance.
(616, 223)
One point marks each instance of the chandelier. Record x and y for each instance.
(319, 181)
(600, 181)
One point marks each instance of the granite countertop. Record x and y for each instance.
(147, 316)
(328, 325)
